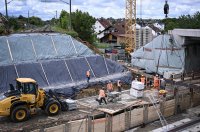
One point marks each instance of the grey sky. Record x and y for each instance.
(100, 8)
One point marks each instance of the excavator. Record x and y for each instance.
(23, 101)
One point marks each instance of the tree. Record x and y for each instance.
(64, 20)
(22, 18)
(83, 23)
(36, 21)
(184, 22)
(13, 23)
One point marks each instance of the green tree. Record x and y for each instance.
(2, 29)
(184, 22)
(64, 20)
(36, 21)
(22, 18)
(13, 23)
(83, 23)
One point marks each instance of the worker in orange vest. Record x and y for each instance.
(109, 87)
(102, 96)
(88, 75)
(156, 82)
(142, 79)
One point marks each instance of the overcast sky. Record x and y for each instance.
(99, 8)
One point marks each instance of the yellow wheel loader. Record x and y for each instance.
(21, 102)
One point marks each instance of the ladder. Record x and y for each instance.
(161, 117)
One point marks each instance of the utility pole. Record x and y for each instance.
(28, 20)
(6, 9)
(70, 11)
(56, 14)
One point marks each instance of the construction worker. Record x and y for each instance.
(119, 85)
(156, 82)
(142, 79)
(163, 93)
(136, 79)
(162, 83)
(102, 96)
(88, 75)
(109, 87)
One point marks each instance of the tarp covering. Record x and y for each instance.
(7, 76)
(160, 56)
(18, 48)
(58, 73)
(55, 61)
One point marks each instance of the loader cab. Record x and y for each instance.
(27, 86)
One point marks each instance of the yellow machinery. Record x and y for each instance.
(130, 25)
(21, 102)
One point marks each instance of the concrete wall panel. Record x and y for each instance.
(99, 125)
(118, 123)
(60, 128)
(136, 117)
(78, 126)
(152, 114)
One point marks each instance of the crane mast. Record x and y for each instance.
(130, 25)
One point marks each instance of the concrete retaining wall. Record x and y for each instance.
(76, 126)
(60, 128)
(118, 121)
(137, 116)
(152, 115)
(184, 102)
(196, 98)
(169, 107)
(99, 125)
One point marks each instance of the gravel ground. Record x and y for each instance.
(40, 120)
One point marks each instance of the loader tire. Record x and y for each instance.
(19, 114)
(52, 108)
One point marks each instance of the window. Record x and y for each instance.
(29, 88)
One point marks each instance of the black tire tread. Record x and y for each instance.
(15, 109)
(49, 104)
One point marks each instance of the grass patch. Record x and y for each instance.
(102, 45)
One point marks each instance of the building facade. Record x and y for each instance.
(100, 26)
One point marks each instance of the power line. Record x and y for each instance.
(70, 9)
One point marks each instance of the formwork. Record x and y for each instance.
(135, 113)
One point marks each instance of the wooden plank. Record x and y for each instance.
(131, 104)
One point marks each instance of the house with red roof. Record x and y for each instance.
(100, 25)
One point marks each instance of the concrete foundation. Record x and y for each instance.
(132, 116)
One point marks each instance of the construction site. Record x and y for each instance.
(52, 82)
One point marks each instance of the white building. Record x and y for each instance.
(144, 35)
(160, 26)
(147, 34)
(99, 26)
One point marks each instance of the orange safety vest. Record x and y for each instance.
(88, 73)
(109, 86)
(102, 93)
(142, 80)
(156, 82)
